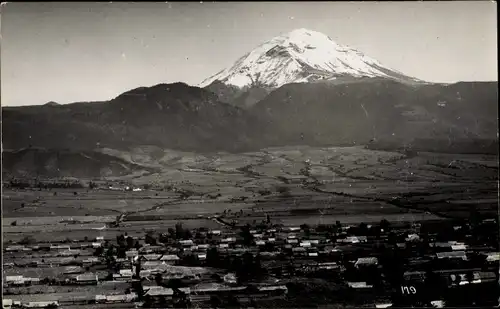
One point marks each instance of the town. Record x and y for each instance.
(390, 264)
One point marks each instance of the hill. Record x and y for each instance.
(174, 116)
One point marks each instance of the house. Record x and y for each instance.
(90, 261)
(412, 237)
(145, 273)
(401, 245)
(156, 291)
(100, 299)
(87, 278)
(40, 304)
(152, 264)
(126, 273)
(385, 305)
(366, 261)
(7, 303)
(69, 252)
(123, 298)
(458, 247)
(202, 256)
(359, 285)
(492, 256)
(477, 277)
(187, 242)
(72, 270)
(438, 303)
(328, 266)
(260, 243)
(441, 245)
(292, 241)
(230, 278)
(99, 238)
(150, 257)
(228, 239)
(13, 279)
(60, 247)
(354, 239)
(131, 254)
(151, 249)
(452, 255)
(15, 248)
(273, 290)
(203, 246)
(223, 246)
(172, 258)
(215, 232)
(313, 254)
(96, 245)
(299, 250)
(305, 244)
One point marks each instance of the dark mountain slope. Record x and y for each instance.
(377, 109)
(166, 115)
(34, 162)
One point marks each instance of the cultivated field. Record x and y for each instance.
(292, 185)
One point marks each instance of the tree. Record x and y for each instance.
(215, 301)
(216, 277)
(150, 239)
(159, 279)
(130, 242)
(98, 251)
(13, 223)
(363, 229)
(179, 231)
(121, 253)
(304, 227)
(138, 269)
(187, 234)
(174, 284)
(385, 225)
(338, 225)
(110, 256)
(246, 235)
(213, 257)
(27, 240)
(120, 240)
(284, 191)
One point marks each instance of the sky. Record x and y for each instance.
(71, 52)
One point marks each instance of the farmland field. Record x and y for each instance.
(291, 185)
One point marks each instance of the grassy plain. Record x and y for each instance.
(291, 185)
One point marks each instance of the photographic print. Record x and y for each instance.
(249, 154)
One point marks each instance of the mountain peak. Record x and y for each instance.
(299, 56)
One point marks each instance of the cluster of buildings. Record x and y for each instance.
(351, 257)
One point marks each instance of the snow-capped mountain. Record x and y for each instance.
(301, 56)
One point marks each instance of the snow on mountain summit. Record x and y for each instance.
(300, 56)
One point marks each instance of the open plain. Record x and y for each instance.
(290, 185)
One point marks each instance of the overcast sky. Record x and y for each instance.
(67, 52)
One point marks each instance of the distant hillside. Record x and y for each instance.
(244, 98)
(377, 109)
(380, 113)
(173, 116)
(33, 162)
